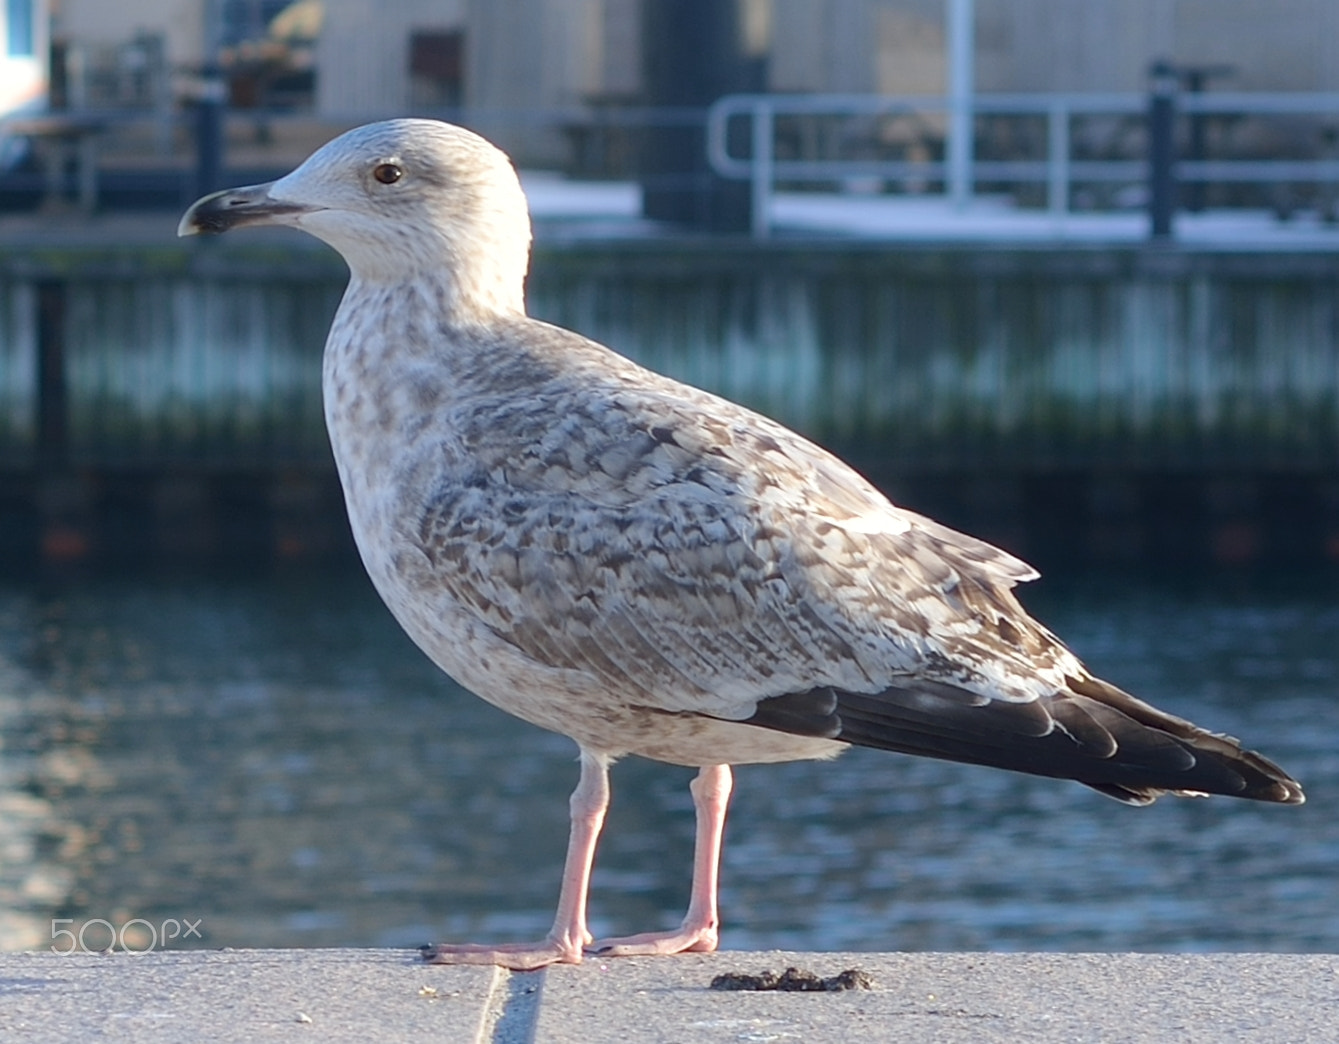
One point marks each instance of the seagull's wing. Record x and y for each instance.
(701, 559)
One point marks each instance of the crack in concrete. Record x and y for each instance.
(512, 1010)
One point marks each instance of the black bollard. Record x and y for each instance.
(694, 52)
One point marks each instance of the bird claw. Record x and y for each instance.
(516, 956)
(530, 956)
(657, 944)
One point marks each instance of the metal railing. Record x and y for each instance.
(1059, 171)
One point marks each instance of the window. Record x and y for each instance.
(19, 23)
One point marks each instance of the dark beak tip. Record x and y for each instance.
(218, 212)
(203, 217)
(204, 225)
(190, 225)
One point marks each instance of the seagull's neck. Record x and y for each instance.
(386, 328)
(473, 295)
(473, 269)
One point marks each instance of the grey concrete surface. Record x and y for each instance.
(243, 995)
(382, 995)
(929, 998)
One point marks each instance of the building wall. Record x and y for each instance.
(529, 58)
(822, 45)
(1107, 45)
(362, 57)
(909, 41)
(897, 46)
(99, 23)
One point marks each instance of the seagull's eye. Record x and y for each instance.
(387, 173)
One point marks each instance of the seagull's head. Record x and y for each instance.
(402, 200)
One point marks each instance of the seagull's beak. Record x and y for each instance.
(233, 208)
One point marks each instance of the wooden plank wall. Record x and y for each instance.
(932, 360)
(1135, 398)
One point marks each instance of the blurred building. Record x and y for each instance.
(531, 57)
(525, 66)
(23, 48)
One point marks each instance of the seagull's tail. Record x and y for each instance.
(1092, 732)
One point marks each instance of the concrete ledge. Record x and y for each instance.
(383, 995)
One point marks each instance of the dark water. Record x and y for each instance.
(270, 757)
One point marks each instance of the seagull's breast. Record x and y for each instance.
(430, 430)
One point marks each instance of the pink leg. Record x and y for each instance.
(698, 933)
(568, 936)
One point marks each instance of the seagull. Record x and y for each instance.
(648, 568)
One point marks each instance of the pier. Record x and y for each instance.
(375, 995)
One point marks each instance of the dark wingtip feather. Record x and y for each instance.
(1256, 778)
(1284, 790)
(1093, 733)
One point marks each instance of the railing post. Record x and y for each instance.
(762, 169)
(1057, 158)
(1162, 150)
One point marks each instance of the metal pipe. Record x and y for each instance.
(762, 171)
(1057, 159)
(961, 54)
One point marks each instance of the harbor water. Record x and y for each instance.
(266, 756)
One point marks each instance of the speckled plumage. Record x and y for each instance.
(668, 551)
(644, 566)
